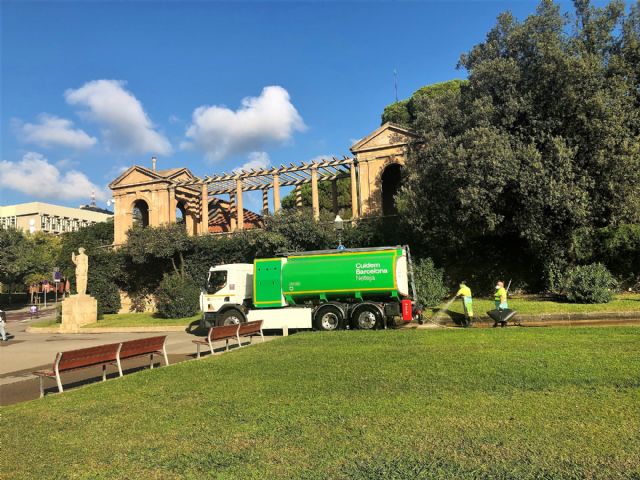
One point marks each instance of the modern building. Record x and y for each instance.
(44, 217)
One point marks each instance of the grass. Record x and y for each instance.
(111, 320)
(396, 404)
(140, 320)
(535, 305)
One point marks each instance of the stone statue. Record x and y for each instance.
(82, 268)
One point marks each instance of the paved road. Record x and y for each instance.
(27, 352)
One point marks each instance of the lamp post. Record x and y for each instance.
(338, 223)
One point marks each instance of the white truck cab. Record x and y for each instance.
(227, 285)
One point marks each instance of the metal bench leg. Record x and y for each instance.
(239, 342)
(119, 365)
(166, 358)
(262, 335)
(41, 388)
(104, 372)
(198, 347)
(59, 382)
(151, 361)
(211, 347)
(227, 340)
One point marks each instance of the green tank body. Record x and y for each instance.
(330, 275)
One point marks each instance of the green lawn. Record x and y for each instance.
(534, 305)
(130, 320)
(139, 320)
(511, 403)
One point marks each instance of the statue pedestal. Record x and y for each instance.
(78, 310)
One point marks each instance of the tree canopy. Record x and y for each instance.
(543, 140)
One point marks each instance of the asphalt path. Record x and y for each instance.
(26, 352)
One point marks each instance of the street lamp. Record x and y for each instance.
(338, 223)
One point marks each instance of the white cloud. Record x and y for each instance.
(34, 175)
(125, 124)
(52, 131)
(220, 131)
(257, 160)
(66, 163)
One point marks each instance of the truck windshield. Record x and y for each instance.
(217, 281)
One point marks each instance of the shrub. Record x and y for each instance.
(177, 296)
(429, 283)
(590, 284)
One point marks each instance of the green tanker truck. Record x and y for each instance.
(325, 290)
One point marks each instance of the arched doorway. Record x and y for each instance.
(140, 213)
(390, 183)
(181, 214)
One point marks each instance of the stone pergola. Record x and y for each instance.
(234, 184)
(153, 197)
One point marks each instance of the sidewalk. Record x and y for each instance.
(28, 352)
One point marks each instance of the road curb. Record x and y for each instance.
(557, 319)
(168, 328)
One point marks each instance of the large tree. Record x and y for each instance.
(543, 140)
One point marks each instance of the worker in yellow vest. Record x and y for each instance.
(467, 303)
(501, 302)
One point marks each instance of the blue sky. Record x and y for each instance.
(91, 88)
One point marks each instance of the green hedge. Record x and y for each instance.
(177, 297)
(590, 284)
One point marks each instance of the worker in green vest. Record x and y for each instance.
(467, 303)
(501, 302)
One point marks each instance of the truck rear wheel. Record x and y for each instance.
(328, 318)
(366, 317)
(232, 317)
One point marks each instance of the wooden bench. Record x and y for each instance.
(250, 329)
(84, 357)
(228, 332)
(111, 354)
(145, 346)
(225, 332)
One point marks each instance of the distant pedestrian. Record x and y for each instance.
(3, 320)
(500, 299)
(467, 303)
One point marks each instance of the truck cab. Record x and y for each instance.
(228, 287)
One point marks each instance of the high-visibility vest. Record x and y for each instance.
(501, 295)
(464, 291)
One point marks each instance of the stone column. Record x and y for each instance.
(276, 193)
(314, 192)
(239, 207)
(298, 192)
(354, 191)
(334, 196)
(189, 222)
(232, 212)
(121, 220)
(173, 205)
(204, 220)
(265, 201)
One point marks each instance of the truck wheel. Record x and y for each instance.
(366, 317)
(328, 318)
(232, 317)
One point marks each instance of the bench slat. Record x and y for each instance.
(223, 332)
(250, 327)
(142, 346)
(86, 357)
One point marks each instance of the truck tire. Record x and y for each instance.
(328, 318)
(366, 317)
(232, 317)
